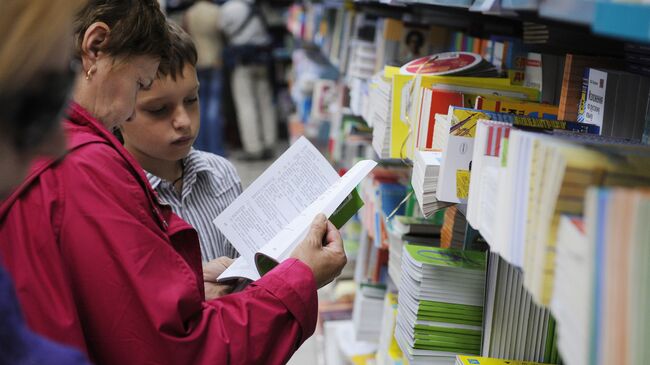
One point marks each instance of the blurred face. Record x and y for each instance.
(40, 103)
(118, 82)
(166, 120)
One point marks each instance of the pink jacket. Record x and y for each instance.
(100, 265)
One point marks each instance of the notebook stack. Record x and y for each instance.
(440, 309)
(368, 306)
(515, 327)
(378, 117)
(417, 230)
(425, 181)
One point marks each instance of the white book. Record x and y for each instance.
(268, 220)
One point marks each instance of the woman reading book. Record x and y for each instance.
(101, 265)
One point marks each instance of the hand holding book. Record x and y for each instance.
(273, 216)
(322, 250)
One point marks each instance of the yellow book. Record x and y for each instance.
(512, 106)
(406, 101)
(474, 360)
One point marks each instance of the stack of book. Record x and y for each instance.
(368, 306)
(572, 294)
(557, 171)
(572, 82)
(616, 221)
(616, 101)
(379, 114)
(514, 326)
(418, 230)
(425, 181)
(454, 228)
(440, 309)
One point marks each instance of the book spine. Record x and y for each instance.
(583, 96)
(528, 122)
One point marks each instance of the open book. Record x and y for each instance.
(268, 220)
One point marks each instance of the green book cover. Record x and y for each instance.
(424, 345)
(440, 339)
(428, 305)
(447, 331)
(452, 319)
(450, 314)
(447, 257)
(347, 209)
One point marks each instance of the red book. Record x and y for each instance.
(440, 102)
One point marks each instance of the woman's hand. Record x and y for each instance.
(211, 271)
(322, 250)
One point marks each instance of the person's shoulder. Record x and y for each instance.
(97, 154)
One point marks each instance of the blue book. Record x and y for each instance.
(623, 20)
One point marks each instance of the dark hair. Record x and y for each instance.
(138, 27)
(181, 51)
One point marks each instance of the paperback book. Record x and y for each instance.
(270, 218)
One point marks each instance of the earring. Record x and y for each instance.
(89, 74)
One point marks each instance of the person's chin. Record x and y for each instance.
(179, 152)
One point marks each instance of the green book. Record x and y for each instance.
(446, 331)
(428, 305)
(446, 257)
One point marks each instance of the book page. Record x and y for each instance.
(287, 187)
(239, 269)
(281, 246)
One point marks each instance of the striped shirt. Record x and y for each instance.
(210, 184)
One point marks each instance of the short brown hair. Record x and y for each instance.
(138, 27)
(181, 51)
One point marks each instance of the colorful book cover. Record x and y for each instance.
(522, 108)
(403, 93)
(440, 102)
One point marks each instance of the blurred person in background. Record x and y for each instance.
(249, 57)
(35, 79)
(101, 265)
(202, 21)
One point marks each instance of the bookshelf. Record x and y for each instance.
(557, 215)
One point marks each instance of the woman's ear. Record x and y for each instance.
(93, 43)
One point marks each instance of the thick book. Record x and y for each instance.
(270, 218)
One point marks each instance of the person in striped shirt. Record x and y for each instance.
(197, 185)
